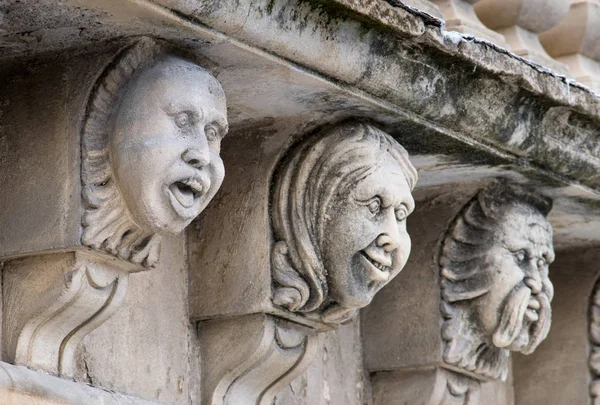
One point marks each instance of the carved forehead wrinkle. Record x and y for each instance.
(524, 224)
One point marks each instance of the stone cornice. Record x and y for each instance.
(406, 64)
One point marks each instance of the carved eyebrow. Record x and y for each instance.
(221, 125)
(174, 108)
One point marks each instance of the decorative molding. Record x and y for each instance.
(247, 360)
(329, 226)
(496, 292)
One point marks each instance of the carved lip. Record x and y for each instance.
(532, 310)
(185, 193)
(378, 265)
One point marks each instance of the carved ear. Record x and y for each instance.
(292, 291)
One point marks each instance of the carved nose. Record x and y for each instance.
(534, 282)
(389, 239)
(196, 158)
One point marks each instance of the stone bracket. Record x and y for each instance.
(75, 294)
(247, 360)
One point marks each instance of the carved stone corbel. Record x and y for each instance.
(485, 294)
(74, 294)
(149, 154)
(251, 358)
(337, 215)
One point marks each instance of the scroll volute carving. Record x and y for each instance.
(150, 164)
(496, 290)
(251, 358)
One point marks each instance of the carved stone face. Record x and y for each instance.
(516, 309)
(164, 150)
(367, 243)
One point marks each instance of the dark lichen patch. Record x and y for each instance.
(330, 12)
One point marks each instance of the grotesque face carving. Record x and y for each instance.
(339, 213)
(166, 142)
(369, 244)
(516, 310)
(151, 146)
(495, 280)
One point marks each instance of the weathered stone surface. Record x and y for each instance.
(145, 150)
(496, 291)
(401, 329)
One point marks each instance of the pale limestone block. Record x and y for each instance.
(146, 348)
(521, 22)
(437, 386)
(575, 40)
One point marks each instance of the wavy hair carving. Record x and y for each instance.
(107, 224)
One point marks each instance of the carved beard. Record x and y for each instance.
(514, 331)
(108, 226)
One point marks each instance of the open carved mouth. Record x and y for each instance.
(379, 271)
(186, 191)
(531, 313)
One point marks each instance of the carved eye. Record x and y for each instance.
(401, 214)
(182, 119)
(211, 133)
(521, 255)
(375, 205)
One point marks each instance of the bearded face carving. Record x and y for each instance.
(494, 273)
(151, 147)
(339, 212)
